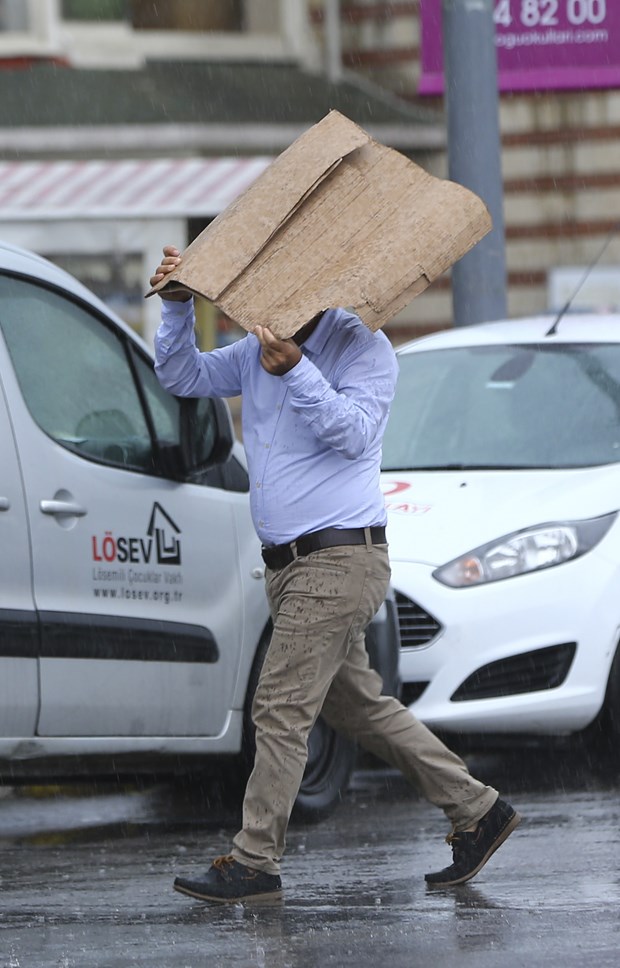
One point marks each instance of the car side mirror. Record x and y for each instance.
(206, 433)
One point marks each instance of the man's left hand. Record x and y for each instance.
(279, 355)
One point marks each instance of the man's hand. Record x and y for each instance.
(170, 260)
(279, 355)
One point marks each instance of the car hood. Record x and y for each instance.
(434, 516)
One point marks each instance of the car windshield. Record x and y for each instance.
(545, 405)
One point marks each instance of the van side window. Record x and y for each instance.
(164, 410)
(163, 407)
(75, 376)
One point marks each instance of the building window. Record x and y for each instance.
(101, 10)
(223, 15)
(218, 15)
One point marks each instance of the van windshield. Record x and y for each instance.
(548, 405)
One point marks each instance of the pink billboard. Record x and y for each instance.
(541, 45)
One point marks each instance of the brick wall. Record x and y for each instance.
(560, 163)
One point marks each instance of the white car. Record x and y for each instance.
(501, 475)
(133, 616)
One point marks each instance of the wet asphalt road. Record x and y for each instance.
(85, 881)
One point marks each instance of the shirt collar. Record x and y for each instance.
(317, 340)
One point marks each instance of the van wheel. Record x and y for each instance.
(331, 757)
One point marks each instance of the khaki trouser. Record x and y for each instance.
(317, 663)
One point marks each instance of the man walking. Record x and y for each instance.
(314, 410)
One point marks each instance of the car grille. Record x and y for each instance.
(416, 626)
(528, 672)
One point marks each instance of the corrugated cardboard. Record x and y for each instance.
(336, 220)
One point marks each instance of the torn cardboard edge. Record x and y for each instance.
(337, 219)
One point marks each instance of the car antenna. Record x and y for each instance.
(554, 327)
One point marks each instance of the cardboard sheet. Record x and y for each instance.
(337, 219)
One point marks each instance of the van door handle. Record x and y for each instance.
(5, 504)
(63, 507)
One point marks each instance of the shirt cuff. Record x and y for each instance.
(304, 378)
(177, 320)
(176, 312)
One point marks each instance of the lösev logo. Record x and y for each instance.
(161, 544)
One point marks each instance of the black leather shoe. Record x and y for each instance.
(471, 851)
(227, 880)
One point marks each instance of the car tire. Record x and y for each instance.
(611, 708)
(331, 756)
(602, 736)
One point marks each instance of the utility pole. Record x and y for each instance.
(474, 152)
(333, 40)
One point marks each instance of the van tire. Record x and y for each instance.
(331, 756)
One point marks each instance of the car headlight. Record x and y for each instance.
(524, 551)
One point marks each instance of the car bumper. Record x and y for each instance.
(476, 674)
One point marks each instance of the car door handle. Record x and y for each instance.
(5, 504)
(62, 507)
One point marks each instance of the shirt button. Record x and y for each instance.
(261, 523)
(258, 483)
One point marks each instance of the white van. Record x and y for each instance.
(133, 617)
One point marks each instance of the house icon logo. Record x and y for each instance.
(165, 531)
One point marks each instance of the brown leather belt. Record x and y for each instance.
(279, 556)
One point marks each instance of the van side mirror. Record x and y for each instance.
(206, 433)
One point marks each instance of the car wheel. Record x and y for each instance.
(602, 736)
(611, 709)
(331, 757)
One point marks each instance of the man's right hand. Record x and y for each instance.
(170, 260)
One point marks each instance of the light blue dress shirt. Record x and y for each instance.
(312, 436)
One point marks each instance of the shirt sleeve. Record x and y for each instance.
(182, 368)
(350, 415)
